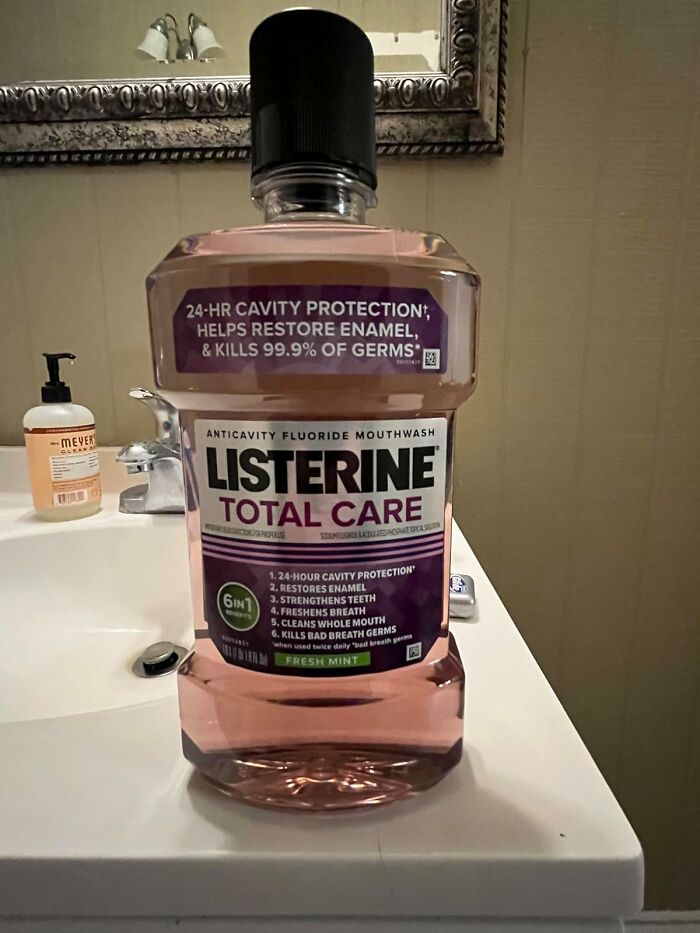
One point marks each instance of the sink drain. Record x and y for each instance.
(162, 657)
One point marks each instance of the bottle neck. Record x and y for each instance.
(312, 193)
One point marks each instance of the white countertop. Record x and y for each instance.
(524, 827)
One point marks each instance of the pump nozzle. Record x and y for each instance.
(55, 390)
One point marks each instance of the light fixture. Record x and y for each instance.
(198, 45)
(155, 43)
(203, 39)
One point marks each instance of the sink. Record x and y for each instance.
(104, 825)
(79, 604)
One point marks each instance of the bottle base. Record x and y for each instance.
(322, 778)
(67, 513)
(322, 744)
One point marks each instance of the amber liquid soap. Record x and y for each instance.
(317, 363)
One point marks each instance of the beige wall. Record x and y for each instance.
(579, 455)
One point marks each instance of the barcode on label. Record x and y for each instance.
(414, 651)
(70, 498)
(431, 359)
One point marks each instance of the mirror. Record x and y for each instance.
(135, 80)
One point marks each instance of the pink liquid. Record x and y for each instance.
(310, 743)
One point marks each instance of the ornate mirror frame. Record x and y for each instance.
(456, 111)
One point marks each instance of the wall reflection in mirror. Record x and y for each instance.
(82, 40)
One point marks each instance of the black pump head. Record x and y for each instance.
(55, 390)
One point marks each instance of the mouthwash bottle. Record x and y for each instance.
(317, 362)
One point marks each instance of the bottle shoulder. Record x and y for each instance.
(58, 415)
(318, 241)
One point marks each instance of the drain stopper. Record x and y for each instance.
(161, 657)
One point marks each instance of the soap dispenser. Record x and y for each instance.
(64, 467)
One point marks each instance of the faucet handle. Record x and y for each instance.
(141, 456)
(167, 418)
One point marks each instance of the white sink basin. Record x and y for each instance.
(104, 825)
(79, 604)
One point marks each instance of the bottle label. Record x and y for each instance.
(310, 329)
(323, 542)
(64, 465)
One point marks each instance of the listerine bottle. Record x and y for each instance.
(317, 362)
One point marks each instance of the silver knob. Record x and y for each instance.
(141, 454)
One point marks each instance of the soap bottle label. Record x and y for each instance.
(323, 542)
(64, 465)
(310, 329)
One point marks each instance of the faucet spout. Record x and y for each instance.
(160, 458)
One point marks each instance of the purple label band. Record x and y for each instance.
(306, 618)
(310, 329)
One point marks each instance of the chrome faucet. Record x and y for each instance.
(160, 458)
